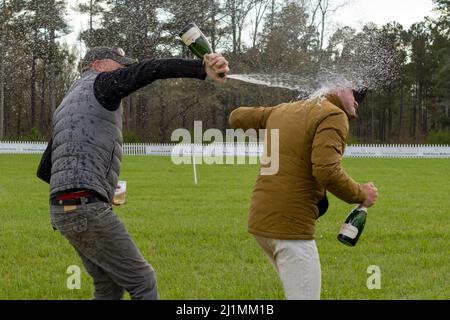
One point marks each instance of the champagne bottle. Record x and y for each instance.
(196, 41)
(353, 227)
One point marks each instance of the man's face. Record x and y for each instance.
(107, 65)
(348, 100)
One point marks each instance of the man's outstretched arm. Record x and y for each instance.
(111, 87)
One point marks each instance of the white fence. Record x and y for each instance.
(250, 149)
(398, 151)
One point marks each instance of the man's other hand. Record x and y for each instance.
(371, 194)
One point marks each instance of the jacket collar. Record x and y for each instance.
(334, 99)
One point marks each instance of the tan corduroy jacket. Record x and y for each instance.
(311, 145)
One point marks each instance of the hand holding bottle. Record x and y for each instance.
(216, 66)
(353, 226)
(371, 193)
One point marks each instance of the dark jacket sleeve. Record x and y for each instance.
(111, 87)
(44, 170)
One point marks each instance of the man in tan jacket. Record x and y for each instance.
(285, 206)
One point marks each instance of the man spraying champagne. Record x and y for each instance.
(83, 163)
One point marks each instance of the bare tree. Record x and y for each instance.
(261, 7)
(2, 67)
(323, 8)
(52, 76)
(4, 16)
(34, 24)
(2, 83)
(213, 25)
(93, 8)
(238, 11)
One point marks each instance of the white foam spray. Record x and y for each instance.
(368, 62)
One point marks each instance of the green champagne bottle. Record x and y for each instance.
(353, 227)
(196, 41)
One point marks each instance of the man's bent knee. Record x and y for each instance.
(147, 290)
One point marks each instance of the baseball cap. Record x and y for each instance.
(103, 53)
(360, 95)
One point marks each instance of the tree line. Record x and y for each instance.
(272, 37)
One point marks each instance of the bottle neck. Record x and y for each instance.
(362, 208)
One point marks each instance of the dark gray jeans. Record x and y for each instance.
(108, 253)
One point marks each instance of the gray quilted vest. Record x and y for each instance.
(87, 142)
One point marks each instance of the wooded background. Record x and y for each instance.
(256, 36)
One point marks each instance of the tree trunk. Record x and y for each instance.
(400, 120)
(131, 113)
(44, 120)
(372, 122)
(420, 106)
(52, 76)
(33, 91)
(389, 114)
(425, 113)
(19, 121)
(162, 116)
(272, 18)
(213, 26)
(138, 115)
(2, 75)
(234, 31)
(389, 133)
(322, 29)
(6, 117)
(52, 56)
(2, 86)
(381, 126)
(91, 18)
(260, 10)
(414, 120)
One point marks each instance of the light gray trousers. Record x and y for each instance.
(298, 265)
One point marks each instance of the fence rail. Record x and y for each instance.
(245, 149)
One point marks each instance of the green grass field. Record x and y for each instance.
(195, 236)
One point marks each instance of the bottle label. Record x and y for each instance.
(349, 231)
(190, 36)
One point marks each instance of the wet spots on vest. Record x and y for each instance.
(85, 135)
(83, 161)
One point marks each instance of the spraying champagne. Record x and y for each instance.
(196, 41)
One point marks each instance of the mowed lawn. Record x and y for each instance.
(195, 236)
